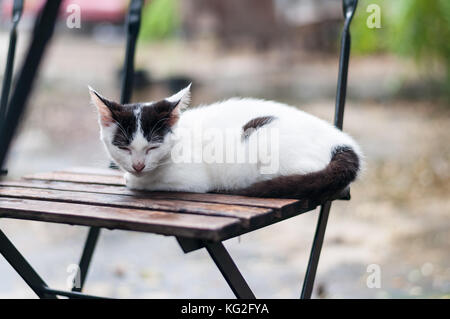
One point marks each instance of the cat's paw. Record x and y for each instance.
(133, 182)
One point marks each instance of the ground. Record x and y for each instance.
(398, 218)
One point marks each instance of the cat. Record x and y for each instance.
(241, 146)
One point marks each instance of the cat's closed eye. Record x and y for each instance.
(151, 148)
(124, 148)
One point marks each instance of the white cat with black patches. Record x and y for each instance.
(309, 158)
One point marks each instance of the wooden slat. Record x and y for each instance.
(59, 197)
(62, 181)
(184, 225)
(250, 216)
(79, 178)
(92, 170)
(343, 195)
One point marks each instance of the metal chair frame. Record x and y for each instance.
(11, 112)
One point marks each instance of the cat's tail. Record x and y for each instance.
(317, 186)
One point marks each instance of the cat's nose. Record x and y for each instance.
(138, 167)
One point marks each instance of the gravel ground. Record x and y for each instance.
(398, 218)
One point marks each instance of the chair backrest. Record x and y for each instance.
(133, 24)
(7, 77)
(349, 8)
(43, 31)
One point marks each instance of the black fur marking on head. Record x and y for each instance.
(126, 121)
(318, 186)
(112, 106)
(254, 124)
(157, 120)
(123, 116)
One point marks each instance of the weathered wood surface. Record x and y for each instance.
(274, 203)
(183, 225)
(98, 197)
(250, 216)
(79, 178)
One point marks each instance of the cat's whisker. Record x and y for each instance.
(119, 126)
(162, 164)
(155, 128)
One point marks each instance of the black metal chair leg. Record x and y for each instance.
(22, 267)
(88, 251)
(229, 270)
(313, 262)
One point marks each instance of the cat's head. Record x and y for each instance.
(137, 136)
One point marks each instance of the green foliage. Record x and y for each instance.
(160, 19)
(366, 40)
(422, 29)
(415, 28)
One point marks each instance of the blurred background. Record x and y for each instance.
(398, 109)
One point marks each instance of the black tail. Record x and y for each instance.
(317, 186)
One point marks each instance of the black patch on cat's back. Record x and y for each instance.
(254, 124)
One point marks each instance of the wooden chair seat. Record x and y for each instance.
(99, 198)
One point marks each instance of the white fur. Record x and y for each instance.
(304, 145)
(183, 97)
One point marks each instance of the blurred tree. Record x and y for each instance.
(160, 19)
(416, 28)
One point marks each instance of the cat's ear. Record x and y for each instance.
(182, 98)
(104, 107)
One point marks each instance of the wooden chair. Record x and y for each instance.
(97, 198)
